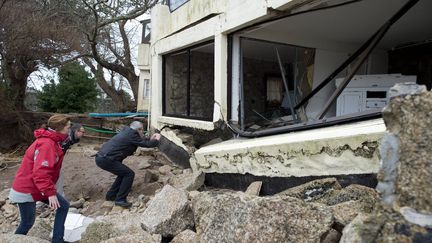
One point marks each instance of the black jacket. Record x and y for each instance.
(71, 140)
(124, 144)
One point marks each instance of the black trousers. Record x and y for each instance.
(123, 183)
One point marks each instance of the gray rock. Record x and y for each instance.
(345, 212)
(78, 204)
(149, 176)
(384, 225)
(135, 238)
(360, 232)
(4, 196)
(150, 188)
(99, 231)
(187, 171)
(188, 182)
(238, 217)
(168, 213)
(254, 188)
(42, 229)
(144, 165)
(10, 211)
(314, 191)
(110, 226)
(409, 117)
(187, 236)
(354, 192)
(165, 169)
(333, 236)
(407, 88)
(12, 238)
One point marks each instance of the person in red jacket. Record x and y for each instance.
(37, 175)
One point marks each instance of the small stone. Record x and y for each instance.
(9, 210)
(4, 196)
(165, 169)
(333, 236)
(150, 188)
(254, 188)
(116, 210)
(144, 165)
(187, 171)
(78, 204)
(107, 204)
(187, 236)
(149, 176)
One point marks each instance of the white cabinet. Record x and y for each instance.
(367, 92)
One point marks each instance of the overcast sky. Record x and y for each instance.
(43, 76)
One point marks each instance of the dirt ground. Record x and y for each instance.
(83, 179)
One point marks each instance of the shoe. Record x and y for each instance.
(123, 203)
(109, 198)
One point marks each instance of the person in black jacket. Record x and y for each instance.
(111, 156)
(76, 132)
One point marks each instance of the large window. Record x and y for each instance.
(266, 101)
(189, 83)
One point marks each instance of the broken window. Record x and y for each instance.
(268, 95)
(358, 50)
(189, 83)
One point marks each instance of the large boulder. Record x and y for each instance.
(345, 212)
(168, 213)
(408, 117)
(42, 229)
(188, 182)
(99, 231)
(238, 217)
(135, 238)
(314, 191)
(368, 196)
(364, 228)
(12, 238)
(110, 226)
(385, 225)
(404, 213)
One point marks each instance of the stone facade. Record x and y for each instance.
(201, 84)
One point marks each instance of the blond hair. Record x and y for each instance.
(58, 122)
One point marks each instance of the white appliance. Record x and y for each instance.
(367, 92)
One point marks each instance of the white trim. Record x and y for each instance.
(204, 125)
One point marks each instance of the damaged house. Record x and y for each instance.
(299, 84)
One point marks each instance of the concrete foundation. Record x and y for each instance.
(338, 150)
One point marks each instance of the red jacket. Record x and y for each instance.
(41, 165)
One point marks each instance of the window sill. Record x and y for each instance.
(204, 125)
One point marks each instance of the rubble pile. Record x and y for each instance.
(174, 206)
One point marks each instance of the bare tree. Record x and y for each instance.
(104, 25)
(33, 33)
